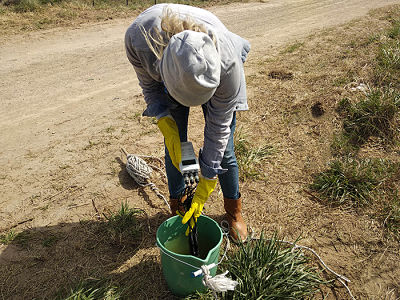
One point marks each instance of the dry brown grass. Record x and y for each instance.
(34, 15)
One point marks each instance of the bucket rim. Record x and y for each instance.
(203, 261)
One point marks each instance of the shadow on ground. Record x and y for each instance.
(47, 262)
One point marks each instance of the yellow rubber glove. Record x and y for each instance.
(203, 191)
(188, 229)
(169, 129)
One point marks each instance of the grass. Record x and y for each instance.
(352, 181)
(391, 215)
(30, 15)
(90, 145)
(292, 48)
(268, 269)
(25, 6)
(388, 58)
(389, 63)
(375, 115)
(94, 289)
(123, 225)
(370, 183)
(250, 157)
(8, 237)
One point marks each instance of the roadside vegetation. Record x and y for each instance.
(250, 157)
(29, 15)
(355, 179)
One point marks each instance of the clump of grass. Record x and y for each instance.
(21, 239)
(123, 225)
(94, 289)
(388, 58)
(8, 237)
(24, 6)
(352, 181)
(372, 116)
(394, 31)
(90, 145)
(292, 48)
(391, 215)
(249, 157)
(268, 269)
(389, 63)
(342, 146)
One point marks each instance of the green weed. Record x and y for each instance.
(63, 167)
(293, 47)
(342, 146)
(268, 269)
(391, 218)
(352, 181)
(94, 289)
(90, 145)
(249, 157)
(7, 238)
(42, 23)
(389, 63)
(341, 81)
(110, 129)
(45, 207)
(372, 116)
(394, 31)
(123, 225)
(388, 59)
(372, 39)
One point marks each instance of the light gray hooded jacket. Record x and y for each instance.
(230, 95)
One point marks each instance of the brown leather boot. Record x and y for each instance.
(237, 226)
(174, 204)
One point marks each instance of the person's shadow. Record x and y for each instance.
(85, 258)
(59, 261)
(89, 259)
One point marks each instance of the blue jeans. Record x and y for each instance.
(229, 180)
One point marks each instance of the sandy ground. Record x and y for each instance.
(69, 98)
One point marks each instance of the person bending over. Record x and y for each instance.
(184, 56)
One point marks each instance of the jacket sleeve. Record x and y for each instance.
(152, 87)
(219, 116)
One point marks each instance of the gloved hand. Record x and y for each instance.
(203, 191)
(169, 129)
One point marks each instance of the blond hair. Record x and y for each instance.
(171, 24)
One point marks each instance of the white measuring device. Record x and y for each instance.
(189, 166)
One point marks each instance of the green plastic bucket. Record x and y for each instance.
(175, 253)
